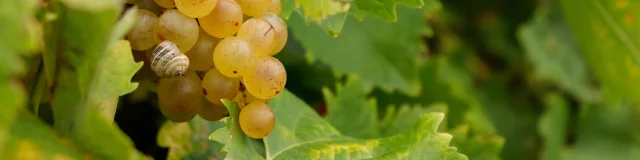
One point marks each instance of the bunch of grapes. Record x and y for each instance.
(202, 51)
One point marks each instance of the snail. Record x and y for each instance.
(167, 60)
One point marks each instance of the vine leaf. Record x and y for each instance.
(305, 135)
(607, 32)
(350, 112)
(190, 140)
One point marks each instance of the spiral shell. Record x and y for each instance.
(168, 61)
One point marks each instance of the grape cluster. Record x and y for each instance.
(205, 48)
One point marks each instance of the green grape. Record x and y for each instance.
(281, 31)
(233, 56)
(150, 6)
(212, 112)
(257, 120)
(196, 8)
(141, 35)
(248, 97)
(217, 86)
(224, 20)
(165, 3)
(177, 28)
(275, 7)
(254, 7)
(180, 96)
(266, 78)
(260, 34)
(201, 55)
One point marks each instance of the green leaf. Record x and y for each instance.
(398, 120)
(305, 135)
(607, 132)
(608, 32)
(350, 112)
(553, 126)
(385, 9)
(386, 52)
(79, 39)
(554, 53)
(191, 140)
(30, 138)
(477, 146)
(237, 144)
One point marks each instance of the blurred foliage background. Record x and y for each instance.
(516, 79)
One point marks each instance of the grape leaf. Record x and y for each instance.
(554, 53)
(609, 35)
(477, 146)
(385, 9)
(17, 30)
(606, 132)
(389, 49)
(553, 126)
(350, 112)
(398, 120)
(306, 135)
(30, 138)
(79, 39)
(190, 140)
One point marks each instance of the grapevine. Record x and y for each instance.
(226, 57)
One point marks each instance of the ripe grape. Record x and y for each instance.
(254, 7)
(233, 56)
(217, 86)
(224, 20)
(212, 112)
(201, 54)
(275, 7)
(266, 78)
(195, 8)
(150, 6)
(178, 28)
(141, 35)
(257, 120)
(281, 31)
(165, 3)
(260, 34)
(180, 96)
(248, 97)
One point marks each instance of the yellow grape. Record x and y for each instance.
(281, 31)
(257, 120)
(196, 8)
(212, 112)
(233, 56)
(266, 78)
(201, 54)
(177, 28)
(150, 6)
(254, 7)
(165, 3)
(180, 96)
(141, 35)
(217, 86)
(260, 34)
(275, 7)
(224, 20)
(248, 97)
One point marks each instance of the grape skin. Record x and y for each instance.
(217, 86)
(212, 112)
(260, 34)
(275, 7)
(257, 120)
(201, 54)
(254, 7)
(233, 56)
(150, 6)
(179, 96)
(224, 20)
(177, 28)
(141, 35)
(281, 31)
(165, 3)
(248, 97)
(266, 78)
(196, 8)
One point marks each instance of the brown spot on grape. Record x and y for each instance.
(236, 23)
(204, 91)
(235, 72)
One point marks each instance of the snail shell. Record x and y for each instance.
(168, 60)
